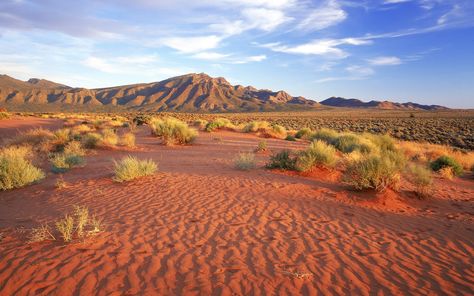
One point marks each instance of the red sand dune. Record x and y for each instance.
(200, 227)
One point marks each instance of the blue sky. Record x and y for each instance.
(400, 50)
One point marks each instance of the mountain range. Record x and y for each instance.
(186, 93)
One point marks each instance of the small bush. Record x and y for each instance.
(282, 160)
(4, 115)
(447, 173)
(421, 178)
(33, 137)
(327, 135)
(109, 138)
(200, 123)
(447, 161)
(218, 123)
(318, 154)
(41, 233)
(346, 143)
(290, 138)
(82, 217)
(74, 148)
(255, 126)
(262, 146)
(128, 140)
(304, 133)
(173, 131)
(16, 170)
(91, 140)
(374, 171)
(65, 227)
(129, 168)
(142, 119)
(245, 161)
(276, 131)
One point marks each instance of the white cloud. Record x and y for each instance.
(245, 60)
(395, 1)
(264, 19)
(99, 64)
(385, 61)
(326, 15)
(192, 44)
(360, 71)
(454, 13)
(324, 47)
(210, 56)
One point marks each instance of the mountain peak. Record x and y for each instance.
(388, 105)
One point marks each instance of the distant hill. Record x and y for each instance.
(186, 93)
(387, 105)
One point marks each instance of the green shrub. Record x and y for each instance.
(304, 133)
(375, 171)
(91, 140)
(290, 138)
(109, 138)
(16, 170)
(277, 131)
(128, 140)
(142, 119)
(421, 178)
(4, 115)
(218, 123)
(255, 126)
(173, 131)
(382, 142)
(318, 154)
(73, 155)
(129, 168)
(327, 135)
(347, 143)
(262, 146)
(282, 160)
(447, 161)
(245, 161)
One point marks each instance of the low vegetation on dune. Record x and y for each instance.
(173, 131)
(35, 137)
(245, 161)
(129, 168)
(4, 115)
(219, 123)
(317, 154)
(262, 146)
(16, 169)
(446, 162)
(78, 224)
(128, 140)
(422, 179)
(72, 156)
(284, 160)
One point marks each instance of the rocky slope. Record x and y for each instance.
(354, 103)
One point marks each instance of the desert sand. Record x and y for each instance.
(201, 227)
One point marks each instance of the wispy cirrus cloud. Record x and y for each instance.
(327, 14)
(385, 61)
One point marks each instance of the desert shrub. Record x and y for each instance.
(255, 126)
(303, 133)
(65, 227)
(173, 131)
(347, 143)
(200, 123)
(60, 183)
(245, 161)
(421, 178)
(262, 146)
(4, 115)
(276, 131)
(109, 138)
(447, 161)
(73, 155)
(290, 138)
(81, 215)
(375, 171)
(33, 137)
(128, 139)
(62, 135)
(218, 123)
(41, 233)
(382, 142)
(81, 129)
(129, 168)
(16, 170)
(142, 119)
(447, 173)
(282, 160)
(91, 140)
(318, 154)
(327, 135)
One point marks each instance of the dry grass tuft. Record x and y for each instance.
(245, 161)
(129, 168)
(16, 170)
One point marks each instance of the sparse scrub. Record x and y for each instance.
(245, 161)
(374, 171)
(282, 160)
(16, 170)
(91, 140)
(109, 138)
(72, 156)
(65, 227)
(304, 133)
(129, 168)
(446, 161)
(218, 123)
(128, 140)
(255, 126)
(262, 146)
(81, 215)
(318, 154)
(41, 233)
(32, 137)
(290, 138)
(173, 131)
(4, 115)
(447, 173)
(327, 135)
(276, 131)
(421, 178)
(60, 183)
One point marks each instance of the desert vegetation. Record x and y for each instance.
(130, 168)
(172, 131)
(245, 161)
(16, 169)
